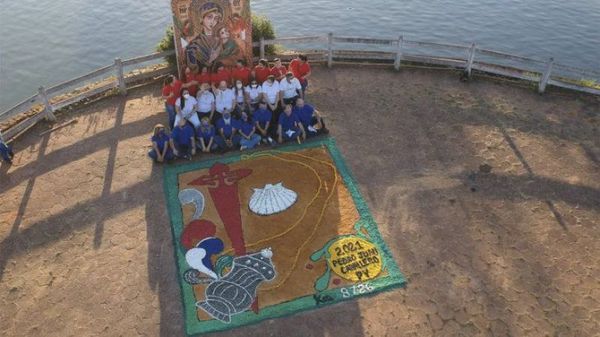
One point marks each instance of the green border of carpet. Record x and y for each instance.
(192, 325)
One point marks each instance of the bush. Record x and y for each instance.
(167, 43)
(262, 27)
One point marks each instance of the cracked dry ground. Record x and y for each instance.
(85, 244)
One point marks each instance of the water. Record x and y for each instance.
(46, 42)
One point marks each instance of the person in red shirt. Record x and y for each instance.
(221, 74)
(301, 70)
(278, 70)
(203, 76)
(170, 92)
(190, 82)
(241, 72)
(261, 71)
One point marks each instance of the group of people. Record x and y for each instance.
(235, 109)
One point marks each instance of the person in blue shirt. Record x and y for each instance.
(206, 136)
(227, 128)
(310, 118)
(6, 151)
(162, 145)
(290, 127)
(249, 139)
(262, 120)
(184, 139)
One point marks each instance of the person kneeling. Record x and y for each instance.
(162, 145)
(290, 127)
(249, 137)
(206, 136)
(184, 139)
(227, 126)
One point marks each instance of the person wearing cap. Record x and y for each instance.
(206, 102)
(6, 151)
(249, 139)
(262, 121)
(301, 70)
(227, 128)
(290, 89)
(253, 94)
(261, 71)
(170, 92)
(184, 139)
(224, 99)
(290, 127)
(271, 92)
(186, 108)
(163, 148)
(205, 135)
(278, 70)
(221, 74)
(310, 118)
(241, 72)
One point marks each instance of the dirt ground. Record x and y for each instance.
(85, 244)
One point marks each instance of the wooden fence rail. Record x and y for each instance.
(393, 51)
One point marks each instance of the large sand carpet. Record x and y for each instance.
(85, 245)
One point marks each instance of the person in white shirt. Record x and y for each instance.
(185, 106)
(270, 90)
(290, 89)
(206, 102)
(224, 98)
(254, 95)
(239, 92)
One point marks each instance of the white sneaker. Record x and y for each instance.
(242, 148)
(270, 140)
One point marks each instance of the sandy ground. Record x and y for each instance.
(85, 245)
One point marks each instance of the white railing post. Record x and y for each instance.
(546, 76)
(262, 47)
(329, 49)
(470, 60)
(120, 77)
(398, 58)
(48, 109)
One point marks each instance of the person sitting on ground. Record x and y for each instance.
(310, 118)
(289, 127)
(241, 72)
(186, 108)
(278, 70)
(221, 74)
(163, 148)
(290, 89)
(261, 71)
(206, 102)
(184, 139)
(170, 92)
(206, 136)
(249, 139)
(190, 81)
(6, 151)
(240, 98)
(224, 99)
(227, 128)
(301, 70)
(262, 121)
(253, 95)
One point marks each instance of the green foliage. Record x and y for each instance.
(167, 43)
(262, 27)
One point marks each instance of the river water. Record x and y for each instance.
(45, 42)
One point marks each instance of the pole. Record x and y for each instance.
(546, 76)
(120, 78)
(398, 59)
(329, 50)
(48, 109)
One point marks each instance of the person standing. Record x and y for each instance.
(184, 139)
(224, 99)
(278, 70)
(254, 95)
(240, 98)
(204, 76)
(261, 71)
(301, 70)
(6, 151)
(206, 102)
(271, 92)
(241, 72)
(186, 108)
(163, 148)
(170, 93)
(289, 127)
(290, 89)
(310, 118)
(191, 84)
(220, 75)
(249, 139)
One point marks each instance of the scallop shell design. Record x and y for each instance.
(272, 199)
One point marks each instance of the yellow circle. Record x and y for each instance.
(354, 259)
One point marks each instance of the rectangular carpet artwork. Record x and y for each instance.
(271, 233)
